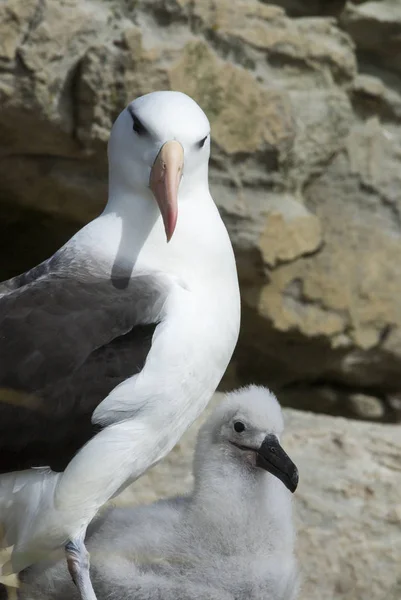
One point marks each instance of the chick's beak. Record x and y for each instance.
(272, 458)
(164, 181)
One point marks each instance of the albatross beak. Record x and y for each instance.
(272, 458)
(164, 181)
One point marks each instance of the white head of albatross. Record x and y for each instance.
(159, 149)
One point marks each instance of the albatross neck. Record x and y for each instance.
(136, 204)
(132, 206)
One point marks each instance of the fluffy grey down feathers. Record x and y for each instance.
(231, 539)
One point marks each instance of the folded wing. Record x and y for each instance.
(66, 340)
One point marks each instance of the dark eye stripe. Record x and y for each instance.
(137, 125)
(202, 142)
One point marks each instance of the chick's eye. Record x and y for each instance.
(239, 426)
(201, 143)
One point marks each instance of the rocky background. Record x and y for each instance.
(306, 121)
(304, 97)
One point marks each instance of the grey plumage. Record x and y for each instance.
(48, 390)
(231, 539)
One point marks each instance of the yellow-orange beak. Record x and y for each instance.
(165, 178)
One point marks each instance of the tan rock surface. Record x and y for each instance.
(348, 505)
(375, 25)
(304, 168)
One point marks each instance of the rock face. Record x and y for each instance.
(305, 164)
(306, 121)
(347, 505)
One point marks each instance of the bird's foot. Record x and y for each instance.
(78, 566)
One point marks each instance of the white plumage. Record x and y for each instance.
(231, 539)
(72, 332)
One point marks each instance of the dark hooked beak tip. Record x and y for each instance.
(272, 458)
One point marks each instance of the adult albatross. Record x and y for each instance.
(112, 347)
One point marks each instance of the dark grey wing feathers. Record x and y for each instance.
(65, 342)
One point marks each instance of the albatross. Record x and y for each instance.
(112, 347)
(231, 538)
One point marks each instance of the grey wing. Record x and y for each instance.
(65, 342)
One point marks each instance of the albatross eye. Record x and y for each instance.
(239, 426)
(202, 142)
(137, 125)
